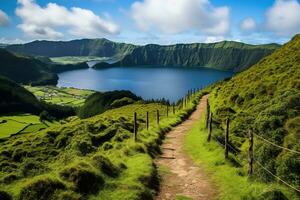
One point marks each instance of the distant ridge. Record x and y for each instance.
(225, 55)
(26, 70)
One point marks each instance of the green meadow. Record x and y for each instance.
(76, 59)
(62, 96)
(22, 123)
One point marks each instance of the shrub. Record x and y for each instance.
(273, 195)
(106, 166)
(43, 188)
(122, 102)
(4, 196)
(84, 179)
(45, 116)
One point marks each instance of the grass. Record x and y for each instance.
(181, 197)
(21, 123)
(265, 99)
(231, 182)
(97, 152)
(76, 59)
(10, 127)
(61, 96)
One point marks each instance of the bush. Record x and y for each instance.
(45, 116)
(98, 103)
(273, 195)
(42, 189)
(4, 196)
(84, 179)
(288, 168)
(106, 166)
(122, 102)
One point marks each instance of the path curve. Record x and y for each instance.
(184, 177)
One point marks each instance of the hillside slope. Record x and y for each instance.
(221, 55)
(84, 47)
(94, 158)
(266, 98)
(25, 70)
(226, 55)
(98, 103)
(15, 98)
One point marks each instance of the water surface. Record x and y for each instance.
(148, 82)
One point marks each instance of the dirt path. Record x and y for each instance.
(182, 176)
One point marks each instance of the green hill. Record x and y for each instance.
(94, 158)
(25, 70)
(266, 98)
(226, 55)
(15, 98)
(98, 102)
(222, 55)
(84, 47)
(33, 70)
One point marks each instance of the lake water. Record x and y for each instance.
(148, 82)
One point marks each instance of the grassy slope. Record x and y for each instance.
(21, 123)
(265, 98)
(84, 47)
(15, 98)
(99, 102)
(97, 152)
(232, 181)
(25, 69)
(225, 55)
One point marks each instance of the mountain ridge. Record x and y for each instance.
(225, 55)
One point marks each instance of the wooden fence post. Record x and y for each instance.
(173, 108)
(210, 127)
(134, 126)
(147, 120)
(157, 117)
(250, 170)
(167, 110)
(181, 103)
(226, 138)
(207, 113)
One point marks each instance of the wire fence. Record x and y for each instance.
(262, 139)
(277, 177)
(276, 145)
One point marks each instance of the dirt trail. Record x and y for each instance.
(185, 178)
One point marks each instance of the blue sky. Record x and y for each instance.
(150, 21)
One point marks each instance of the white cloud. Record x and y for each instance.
(283, 18)
(11, 41)
(46, 22)
(248, 24)
(169, 16)
(3, 18)
(212, 39)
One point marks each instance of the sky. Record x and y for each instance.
(150, 21)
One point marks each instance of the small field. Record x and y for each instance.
(21, 123)
(76, 59)
(61, 96)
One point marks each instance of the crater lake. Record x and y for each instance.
(171, 83)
